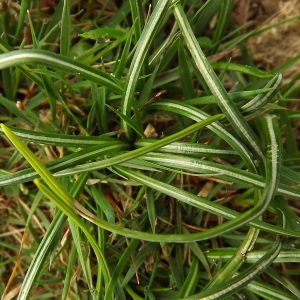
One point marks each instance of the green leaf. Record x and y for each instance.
(106, 32)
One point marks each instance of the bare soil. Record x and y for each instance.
(273, 47)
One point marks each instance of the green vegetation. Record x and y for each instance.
(128, 170)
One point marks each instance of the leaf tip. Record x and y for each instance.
(4, 128)
(36, 182)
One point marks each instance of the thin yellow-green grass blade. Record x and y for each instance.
(37, 165)
(57, 194)
(73, 216)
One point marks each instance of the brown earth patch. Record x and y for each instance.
(273, 47)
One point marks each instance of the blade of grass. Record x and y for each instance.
(249, 70)
(236, 260)
(143, 46)
(61, 200)
(185, 74)
(137, 13)
(20, 57)
(269, 292)
(131, 248)
(292, 256)
(222, 24)
(196, 114)
(227, 173)
(192, 149)
(217, 89)
(63, 140)
(65, 32)
(99, 98)
(241, 280)
(138, 152)
(69, 273)
(191, 280)
(47, 81)
(261, 100)
(61, 194)
(45, 246)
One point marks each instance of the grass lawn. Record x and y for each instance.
(149, 150)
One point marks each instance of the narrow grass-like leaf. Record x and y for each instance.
(236, 260)
(217, 89)
(65, 32)
(45, 245)
(269, 292)
(130, 249)
(99, 98)
(202, 204)
(196, 114)
(182, 196)
(28, 228)
(128, 121)
(138, 152)
(152, 278)
(47, 176)
(191, 280)
(132, 293)
(137, 14)
(41, 255)
(59, 62)
(83, 250)
(249, 70)
(67, 208)
(104, 204)
(200, 255)
(139, 260)
(227, 173)
(291, 146)
(11, 106)
(146, 91)
(120, 66)
(292, 219)
(96, 34)
(69, 273)
(291, 256)
(159, 51)
(146, 201)
(4, 47)
(185, 74)
(36, 164)
(82, 52)
(283, 281)
(241, 280)
(64, 162)
(222, 24)
(186, 148)
(143, 45)
(175, 268)
(150, 202)
(21, 19)
(63, 140)
(261, 100)
(234, 96)
(36, 121)
(47, 81)
(205, 14)
(57, 194)
(112, 46)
